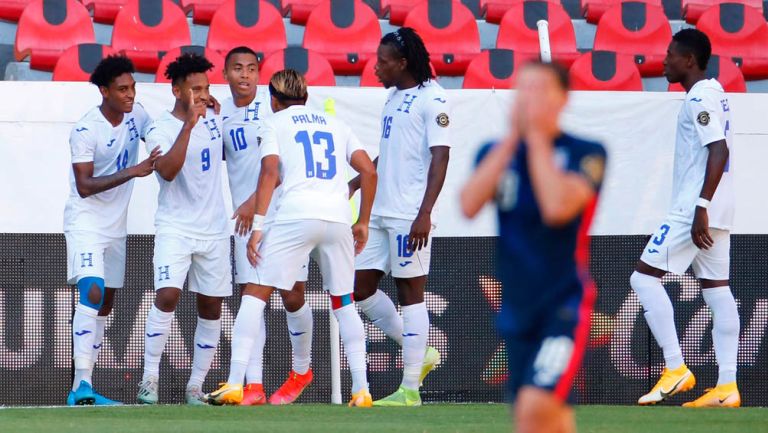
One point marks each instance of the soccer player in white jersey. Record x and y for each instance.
(412, 162)
(191, 225)
(242, 115)
(697, 229)
(305, 151)
(105, 147)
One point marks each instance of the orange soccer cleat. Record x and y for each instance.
(253, 395)
(292, 388)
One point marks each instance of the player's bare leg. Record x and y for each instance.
(156, 331)
(539, 411)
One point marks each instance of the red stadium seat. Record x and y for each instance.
(605, 70)
(368, 77)
(398, 9)
(723, 70)
(144, 28)
(255, 23)
(494, 10)
(592, 10)
(692, 9)
(738, 32)
(215, 75)
(202, 10)
(78, 62)
(346, 32)
(299, 10)
(495, 69)
(47, 28)
(450, 33)
(314, 66)
(104, 11)
(10, 10)
(518, 30)
(638, 29)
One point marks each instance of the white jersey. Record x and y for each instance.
(704, 118)
(414, 120)
(192, 204)
(242, 146)
(111, 149)
(310, 145)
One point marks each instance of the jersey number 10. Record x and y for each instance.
(319, 138)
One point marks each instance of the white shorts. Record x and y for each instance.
(286, 248)
(244, 272)
(91, 255)
(387, 250)
(206, 261)
(671, 249)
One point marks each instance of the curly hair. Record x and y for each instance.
(186, 65)
(411, 47)
(110, 68)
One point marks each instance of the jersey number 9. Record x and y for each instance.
(205, 155)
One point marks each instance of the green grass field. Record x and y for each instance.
(481, 418)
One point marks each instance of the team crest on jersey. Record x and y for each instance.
(443, 120)
(703, 118)
(593, 167)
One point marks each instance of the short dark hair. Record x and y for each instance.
(110, 68)
(562, 75)
(239, 50)
(696, 42)
(410, 46)
(186, 65)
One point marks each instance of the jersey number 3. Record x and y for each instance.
(319, 138)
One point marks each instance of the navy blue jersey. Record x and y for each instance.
(541, 267)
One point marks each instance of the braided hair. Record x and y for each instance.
(411, 47)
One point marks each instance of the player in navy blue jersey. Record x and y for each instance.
(545, 184)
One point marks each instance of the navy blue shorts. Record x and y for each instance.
(549, 355)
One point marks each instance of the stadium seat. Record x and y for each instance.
(144, 28)
(638, 29)
(346, 32)
(299, 10)
(104, 11)
(449, 31)
(495, 69)
(202, 10)
(605, 70)
(10, 10)
(493, 10)
(592, 10)
(314, 66)
(518, 30)
(255, 23)
(397, 9)
(738, 32)
(368, 77)
(692, 9)
(214, 75)
(78, 62)
(723, 70)
(48, 27)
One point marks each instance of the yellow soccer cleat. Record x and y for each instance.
(672, 382)
(229, 393)
(361, 399)
(403, 397)
(726, 395)
(431, 361)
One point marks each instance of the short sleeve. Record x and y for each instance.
(82, 144)
(437, 118)
(591, 165)
(156, 136)
(269, 144)
(705, 112)
(353, 143)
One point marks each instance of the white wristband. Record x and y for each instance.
(258, 222)
(702, 203)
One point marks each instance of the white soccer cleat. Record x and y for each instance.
(148, 391)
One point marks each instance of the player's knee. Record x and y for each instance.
(209, 307)
(534, 412)
(109, 302)
(293, 300)
(166, 299)
(91, 291)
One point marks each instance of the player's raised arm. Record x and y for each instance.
(190, 109)
(482, 185)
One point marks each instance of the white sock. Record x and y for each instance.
(415, 332)
(254, 373)
(353, 336)
(244, 335)
(84, 328)
(382, 312)
(300, 328)
(207, 336)
(98, 338)
(659, 315)
(725, 330)
(155, 336)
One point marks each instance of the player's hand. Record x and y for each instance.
(253, 247)
(243, 217)
(360, 234)
(195, 111)
(214, 104)
(700, 229)
(146, 167)
(537, 108)
(420, 229)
